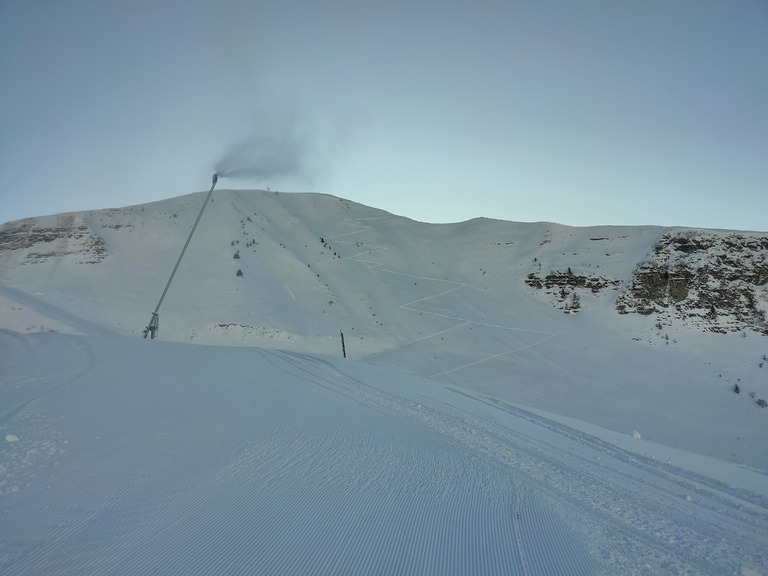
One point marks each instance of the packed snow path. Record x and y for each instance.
(123, 456)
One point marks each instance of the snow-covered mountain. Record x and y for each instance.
(478, 303)
(711, 280)
(517, 398)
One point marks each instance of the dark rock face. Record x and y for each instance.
(715, 280)
(40, 243)
(563, 287)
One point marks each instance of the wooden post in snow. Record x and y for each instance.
(343, 348)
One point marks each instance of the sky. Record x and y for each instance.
(582, 113)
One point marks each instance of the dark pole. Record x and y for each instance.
(154, 323)
(343, 348)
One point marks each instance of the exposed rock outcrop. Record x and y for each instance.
(37, 244)
(564, 287)
(717, 281)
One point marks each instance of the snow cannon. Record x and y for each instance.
(154, 324)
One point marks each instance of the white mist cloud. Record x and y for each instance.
(277, 146)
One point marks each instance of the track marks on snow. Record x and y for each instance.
(179, 465)
(349, 484)
(632, 508)
(533, 337)
(449, 509)
(560, 485)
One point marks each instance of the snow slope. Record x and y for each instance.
(130, 456)
(447, 301)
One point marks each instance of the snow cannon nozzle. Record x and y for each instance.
(215, 178)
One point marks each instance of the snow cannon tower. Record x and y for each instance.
(154, 324)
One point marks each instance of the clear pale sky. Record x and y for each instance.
(580, 112)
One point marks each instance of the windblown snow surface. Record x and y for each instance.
(475, 430)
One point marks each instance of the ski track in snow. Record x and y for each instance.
(189, 462)
(461, 322)
(631, 510)
(500, 546)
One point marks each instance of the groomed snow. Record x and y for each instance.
(136, 456)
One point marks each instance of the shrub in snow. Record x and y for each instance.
(736, 388)
(762, 403)
(239, 272)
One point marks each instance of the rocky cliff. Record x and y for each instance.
(565, 287)
(38, 240)
(709, 280)
(717, 281)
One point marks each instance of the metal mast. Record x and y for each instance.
(154, 323)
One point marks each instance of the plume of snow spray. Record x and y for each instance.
(276, 148)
